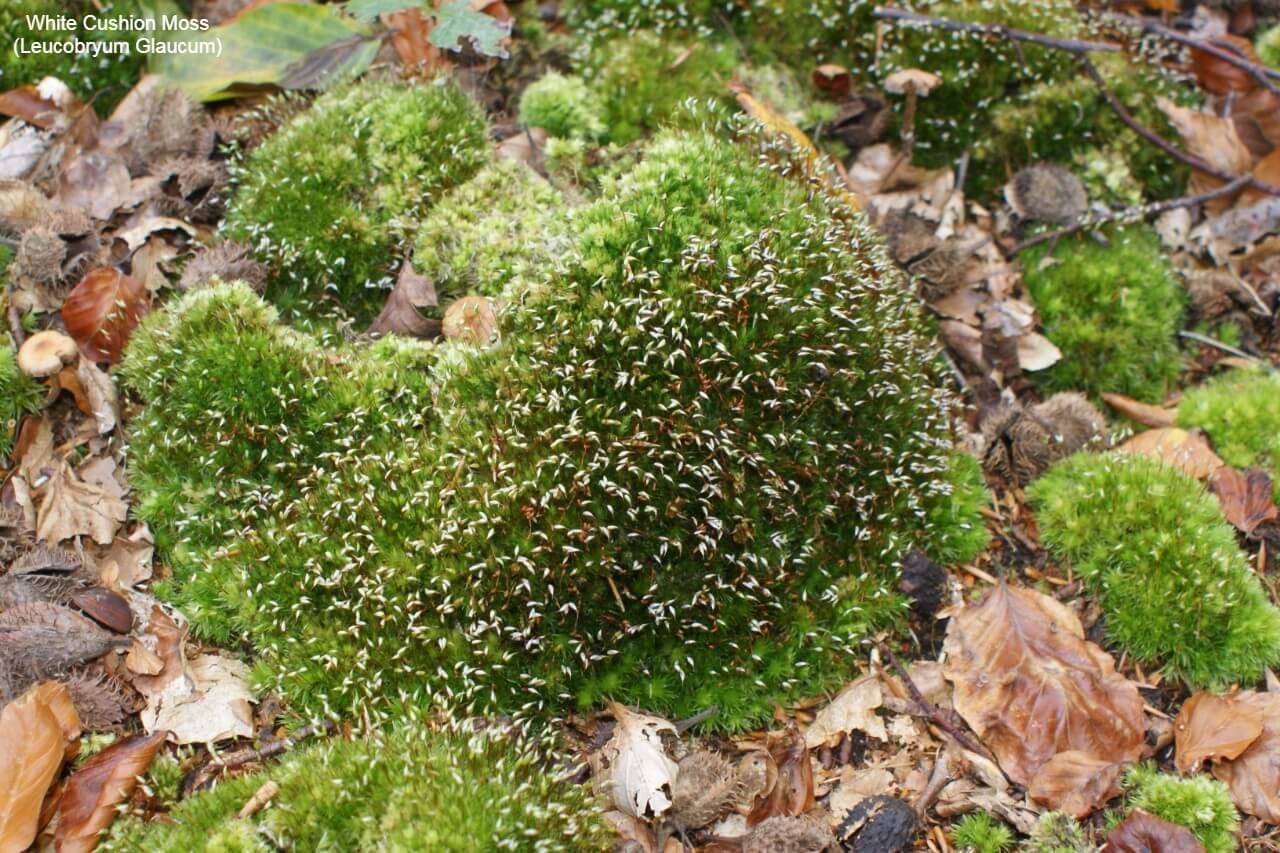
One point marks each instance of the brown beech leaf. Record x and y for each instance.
(36, 732)
(70, 506)
(1219, 76)
(1212, 139)
(1246, 496)
(1076, 783)
(1181, 449)
(1141, 832)
(103, 782)
(400, 315)
(102, 311)
(1254, 776)
(1139, 412)
(26, 103)
(792, 792)
(1031, 686)
(1211, 728)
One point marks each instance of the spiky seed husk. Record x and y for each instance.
(1047, 192)
(25, 589)
(1076, 424)
(42, 639)
(100, 700)
(44, 558)
(806, 833)
(227, 261)
(22, 206)
(704, 790)
(1021, 443)
(40, 255)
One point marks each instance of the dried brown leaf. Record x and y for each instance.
(1212, 139)
(1212, 728)
(1181, 449)
(98, 183)
(1219, 76)
(104, 781)
(1145, 833)
(102, 311)
(1246, 496)
(36, 731)
(853, 708)
(1031, 686)
(400, 315)
(1076, 783)
(792, 791)
(1254, 776)
(70, 507)
(26, 103)
(1139, 412)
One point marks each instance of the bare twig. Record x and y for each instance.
(203, 775)
(1217, 344)
(930, 711)
(1261, 73)
(687, 723)
(1133, 214)
(1070, 45)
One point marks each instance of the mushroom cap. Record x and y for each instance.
(45, 353)
(471, 319)
(912, 80)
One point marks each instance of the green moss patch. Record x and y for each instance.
(1240, 411)
(1151, 543)
(1199, 803)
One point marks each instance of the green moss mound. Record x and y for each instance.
(1268, 45)
(1240, 410)
(979, 832)
(562, 106)
(682, 478)
(1113, 310)
(412, 788)
(1151, 543)
(505, 230)
(19, 395)
(1201, 804)
(104, 79)
(329, 198)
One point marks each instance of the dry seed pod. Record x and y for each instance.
(1046, 192)
(806, 833)
(40, 255)
(1020, 444)
(43, 639)
(227, 261)
(704, 790)
(99, 700)
(1076, 423)
(50, 558)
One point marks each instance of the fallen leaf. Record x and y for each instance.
(1246, 496)
(71, 507)
(1076, 783)
(163, 638)
(458, 24)
(1030, 685)
(634, 764)
(792, 791)
(1212, 728)
(631, 828)
(853, 709)
(399, 316)
(1145, 833)
(98, 183)
(1139, 412)
(1219, 76)
(1036, 352)
(1212, 139)
(102, 311)
(471, 319)
(1254, 776)
(101, 784)
(36, 731)
(26, 103)
(94, 391)
(1179, 448)
(855, 785)
(126, 562)
(210, 702)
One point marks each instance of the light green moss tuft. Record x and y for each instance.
(979, 832)
(1240, 411)
(413, 788)
(562, 106)
(327, 200)
(19, 395)
(1268, 45)
(1056, 832)
(1114, 311)
(1151, 543)
(1200, 803)
(506, 229)
(961, 533)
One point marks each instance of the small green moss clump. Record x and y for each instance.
(562, 106)
(1113, 310)
(961, 536)
(979, 832)
(412, 788)
(1268, 45)
(19, 395)
(1151, 543)
(1200, 803)
(506, 229)
(327, 199)
(103, 79)
(1240, 410)
(1056, 832)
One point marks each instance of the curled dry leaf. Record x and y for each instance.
(1076, 783)
(1254, 776)
(1030, 685)
(104, 781)
(38, 731)
(1181, 449)
(635, 765)
(69, 507)
(853, 708)
(1246, 496)
(400, 315)
(102, 311)
(1211, 728)
(792, 790)
(209, 703)
(1145, 833)
(1212, 139)
(1139, 412)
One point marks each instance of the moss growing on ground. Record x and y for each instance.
(413, 788)
(1200, 803)
(506, 229)
(1151, 543)
(104, 79)
(19, 395)
(563, 106)
(328, 199)
(1268, 45)
(1240, 410)
(961, 534)
(683, 477)
(979, 832)
(1114, 311)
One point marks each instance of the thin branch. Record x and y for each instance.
(1258, 72)
(930, 711)
(1070, 45)
(200, 777)
(1163, 144)
(1133, 214)
(1216, 344)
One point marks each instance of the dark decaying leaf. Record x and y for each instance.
(1031, 686)
(1145, 833)
(104, 781)
(102, 311)
(1246, 496)
(792, 790)
(1212, 728)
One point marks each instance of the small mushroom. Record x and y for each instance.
(45, 353)
(914, 83)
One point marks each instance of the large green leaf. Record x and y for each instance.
(290, 45)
